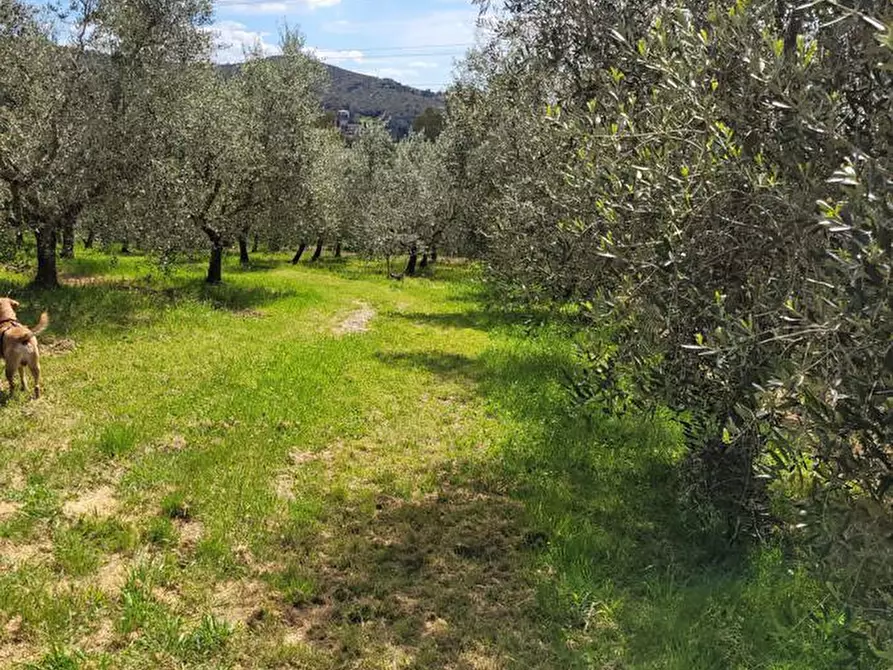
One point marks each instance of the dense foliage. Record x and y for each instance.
(715, 182)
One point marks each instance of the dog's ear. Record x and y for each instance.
(15, 303)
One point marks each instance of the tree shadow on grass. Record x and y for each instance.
(353, 267)
(104, 306)
(262, 264)
(625, 468)
(475, 319)
(628, 569)
(485, 313)
(478, 371)
(518, 560)
(90, 266)
(438, 579)
(234, 297)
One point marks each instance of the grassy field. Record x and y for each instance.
(316, 467)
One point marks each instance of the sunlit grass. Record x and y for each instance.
(216, 477)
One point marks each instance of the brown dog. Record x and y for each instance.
(18, 345)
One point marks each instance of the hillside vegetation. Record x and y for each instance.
(373, 97)
(367, 96)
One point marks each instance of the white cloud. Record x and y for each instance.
(337, 56)
(232, 39)
(432, 29)
(273, 6)
(421, 49)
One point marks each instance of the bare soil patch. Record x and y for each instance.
(249, 314)
(15, 554)
(15, 652)
(13, 646)
(8, 510)
(241, 601)
(168, 596)
(101, 639)
(112, 575)
(14, 480)
(56, 347)
(99, 502)
(302, 457)
(191, 533)
(357, 321)
(86, 281)
(309, 624)
(284, 487)
(172, 443)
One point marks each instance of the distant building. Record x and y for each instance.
(343, 123)
(342, 119)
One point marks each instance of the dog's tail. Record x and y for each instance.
(42, 324)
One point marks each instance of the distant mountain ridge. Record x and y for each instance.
(365, 96)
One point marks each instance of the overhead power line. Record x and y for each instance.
(363, 58)
(426, 47)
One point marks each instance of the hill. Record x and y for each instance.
(365, 95)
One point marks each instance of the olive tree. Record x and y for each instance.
(330, 213)
(78, 115)
(284, 98)
(367, 171)
(208, 184)
(711, 185)
(52, 126)
(416, 187)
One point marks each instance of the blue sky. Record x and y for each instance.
(415, 42)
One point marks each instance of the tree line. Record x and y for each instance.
(115, 125)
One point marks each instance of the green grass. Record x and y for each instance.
(216, 478)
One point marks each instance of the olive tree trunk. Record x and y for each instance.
(413, 261)
(47, 275)
(299, 253)
(317, 252)
(215, 264)
(244, 259)
(67, 250)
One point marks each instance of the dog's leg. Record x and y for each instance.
(10, 377)
(22, 378)
(34, 366)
